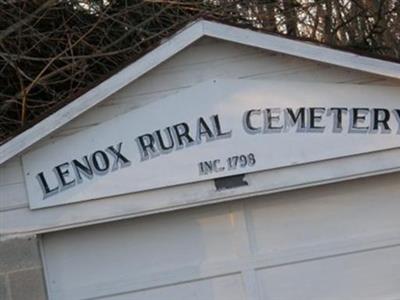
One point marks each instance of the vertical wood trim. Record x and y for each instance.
(44, 265)
(243, 242)
(250, 283)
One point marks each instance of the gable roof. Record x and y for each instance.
(175, 44)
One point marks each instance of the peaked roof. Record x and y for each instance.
(175, 44)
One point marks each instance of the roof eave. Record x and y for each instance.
(175, 44)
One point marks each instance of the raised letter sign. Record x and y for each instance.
(215, 129)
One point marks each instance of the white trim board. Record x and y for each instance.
(173, 45)
(22, 221)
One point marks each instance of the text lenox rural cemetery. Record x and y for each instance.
(209, 129)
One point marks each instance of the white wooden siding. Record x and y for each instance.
(339, 241)
(211, 59)
(12, 186)
(206, 59)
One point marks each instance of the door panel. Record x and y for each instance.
(334, 242)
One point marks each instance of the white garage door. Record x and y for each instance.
(335, 242)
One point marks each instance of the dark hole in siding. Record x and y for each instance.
(230, 182)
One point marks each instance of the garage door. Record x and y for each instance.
(339, 241)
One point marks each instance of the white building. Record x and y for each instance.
(224, 164)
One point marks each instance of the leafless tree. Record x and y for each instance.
(54, 50)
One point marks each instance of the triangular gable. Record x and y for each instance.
(181, 40)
